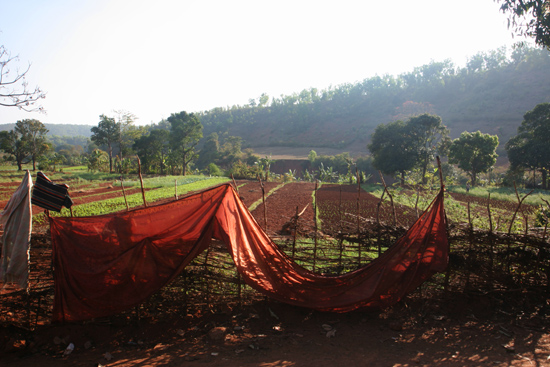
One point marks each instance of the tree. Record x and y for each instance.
(538, 27)
(11, 143)
(392, 150)
(529, 149)
(186, 131)
(14, 89)
(153, 149)
(474, 153)
(210, 151)
(127, 132)
(33, 135)
(107, 132)
(427, 134)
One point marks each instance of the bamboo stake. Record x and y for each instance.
(263, 201)
(315, 226)
(358, 203)
(235, 184)
(124, 193)
(141, 181)
(489, 212)
(358, 218)
(391, 198)
(470, 218)
(294, 234)
(440, 172)
(519, 206)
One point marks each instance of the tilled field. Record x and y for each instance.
(455, 330)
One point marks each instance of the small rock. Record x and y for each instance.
(509, 348)
(331, 333)
(239, 351)
(88, 345)
(107, 356)
(160, 347)
(238, 328)
(69, 349)
(326, 327)
(217, 333)
(181, 332)
(214, 354)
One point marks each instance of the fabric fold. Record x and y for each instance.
(106, 264)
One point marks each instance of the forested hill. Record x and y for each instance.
(491, 94)
(60, 129)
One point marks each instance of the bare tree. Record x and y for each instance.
(14, 89)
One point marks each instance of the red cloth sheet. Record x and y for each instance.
(110, 263)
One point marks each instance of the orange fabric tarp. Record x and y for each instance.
(110, 263)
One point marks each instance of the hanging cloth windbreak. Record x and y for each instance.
(49, 195)
(110, 263)
(16, 220)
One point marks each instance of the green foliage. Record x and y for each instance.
(541, 216)
(185, 133)
(529, 149)
(164, 189)
(519, 12)
(106, 133)
(474, 153)
(214, 170)
(492, 87)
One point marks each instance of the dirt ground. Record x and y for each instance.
(423, 330)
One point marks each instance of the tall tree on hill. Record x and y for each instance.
(153, 149)
(392, 150)
(33, 135)
(529, 149)
(185, 133)
(474, 153)
(427, 134)
(107, 132)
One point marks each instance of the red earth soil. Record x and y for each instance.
(457, 330)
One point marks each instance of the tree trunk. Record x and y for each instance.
(110, 158)
(402, 178)
(544, 179)
(183, 169)
(33, 163)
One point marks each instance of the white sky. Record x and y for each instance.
(154, 58)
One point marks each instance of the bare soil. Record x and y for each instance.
(423, 330)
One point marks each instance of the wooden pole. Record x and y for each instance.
(391, 198)
(124, 193)
(141, 181)
(517, 209)
(235, 184)
(315, 226)
(358, 219)
(489, 213)
(176, 189)
(263, 202)
(294, 234)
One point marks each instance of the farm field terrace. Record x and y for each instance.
(458, 327)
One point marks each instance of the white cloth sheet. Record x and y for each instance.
(16, 220)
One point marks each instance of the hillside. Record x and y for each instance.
(491, 94)
(60, 129)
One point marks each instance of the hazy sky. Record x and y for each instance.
(154, 58)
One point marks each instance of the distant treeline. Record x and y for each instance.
(491, 94)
